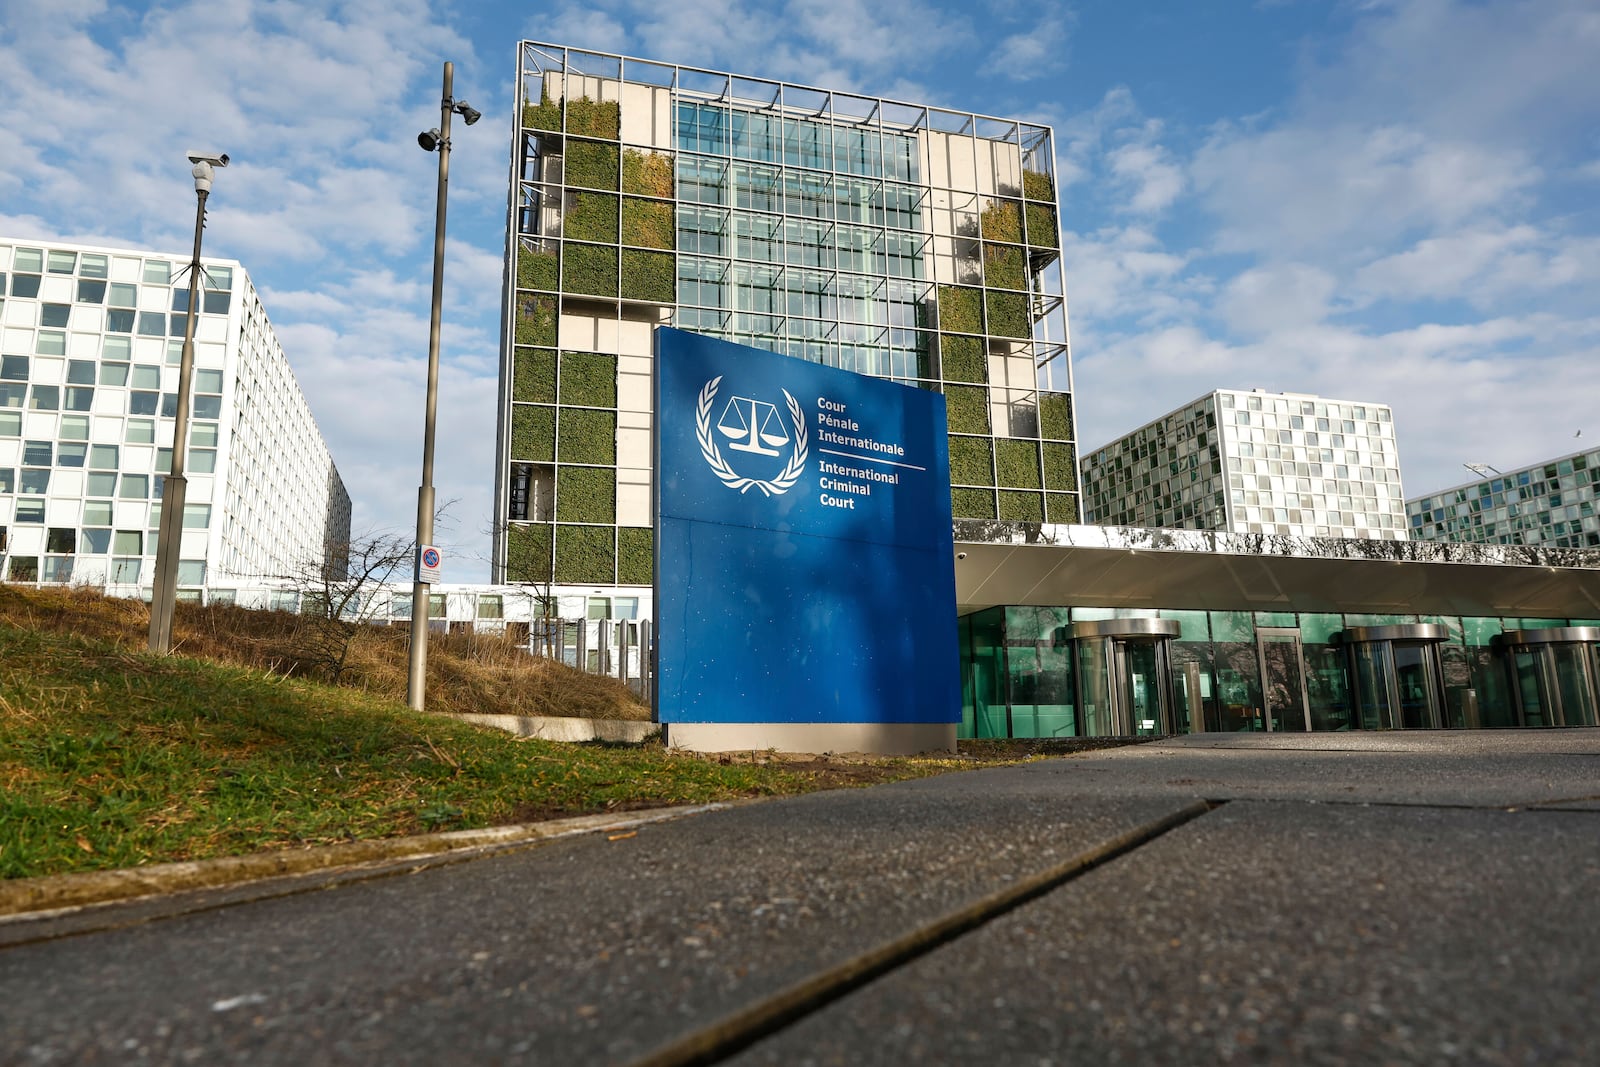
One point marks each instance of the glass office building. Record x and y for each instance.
(1254, 462)
(1551, 504)
(893, 239)
(1109, 631)
(90, 341)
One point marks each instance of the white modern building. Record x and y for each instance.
(1550, 504)
(90, 342)
(886, 237)
(1237, 461)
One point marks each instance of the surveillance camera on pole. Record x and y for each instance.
(436, 139)
(169, 528)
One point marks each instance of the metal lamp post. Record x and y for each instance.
(437, 139)
(169, 534)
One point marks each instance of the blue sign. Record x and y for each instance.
(804, 559)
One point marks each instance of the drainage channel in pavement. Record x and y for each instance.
(744, 1028)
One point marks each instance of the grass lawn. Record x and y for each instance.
(111, 757)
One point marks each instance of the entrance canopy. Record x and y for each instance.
(1012, 563)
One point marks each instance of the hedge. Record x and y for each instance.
(536, 270)
(528, 553)
(1021, 507)
(1038, 186)
(647, 173)
(1043, 229)
(649, 276)
(545, 115)
(593, 166)
(594, 118)
(634, 555)
(1003, 267)
(1055, 416)
(972, 503)
(971, 461)
(1016, 464)
(1001, 221)
(1008, 314)
(592, 217)
(536, 321)
(1060, 472)
(963, 359)
(648, 223)
(533, 433)
(960, 309)
(967, 408)
(585, 436)
(588, 379)
(586, 494)
(533, 376)
(590, 269)
(1061, 507)
(585, 555)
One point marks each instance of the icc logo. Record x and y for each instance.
(755, 428)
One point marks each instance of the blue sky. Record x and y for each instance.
(1390, 201)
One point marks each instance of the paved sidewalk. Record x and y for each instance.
(1349, 898)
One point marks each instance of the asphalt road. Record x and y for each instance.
(1398, 898)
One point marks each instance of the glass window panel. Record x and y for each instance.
(204, 434)
(152, 324)
(140, 403)
(123, 295)
(13, 396)
(33, 480)
(135, 487)
(157, 271)
(97, 513)
(91, 265)
(100, 484)
(14, 368)
(103, 457)
(8, 481)
(30, 510)
(196, 516)
(71, 453)
(140, 432)
(113, 374)
(10, 423)
(203, 460)
(63, 262)
(96, 542)
(205, 407)
(54, 315)
(208, 381)
(128, 543)
(51, 343)
(38, 453)
(80, 372)
(216, 303)
(74, 428)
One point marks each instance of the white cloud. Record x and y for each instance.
(1300, 189)
(1147, 170)
(1272, 299)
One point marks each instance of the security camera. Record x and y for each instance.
(961, 555)
(215, 159)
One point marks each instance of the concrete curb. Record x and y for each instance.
(556, 728)
(52, 894)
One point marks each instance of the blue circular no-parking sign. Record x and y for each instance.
(430, 558)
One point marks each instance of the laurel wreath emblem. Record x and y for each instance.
(719, 466)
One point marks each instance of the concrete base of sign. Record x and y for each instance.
(878, 738)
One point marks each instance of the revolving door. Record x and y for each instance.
(1124, 676)
(1397, 681)
(1554, 675)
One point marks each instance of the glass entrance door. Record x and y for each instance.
(1555, 675)
(1416, 671)
(1283, 679)
(1142, 678)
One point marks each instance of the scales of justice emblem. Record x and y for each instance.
(754, 427)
